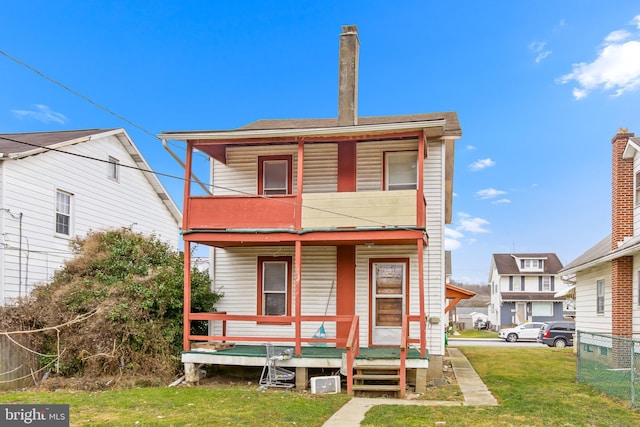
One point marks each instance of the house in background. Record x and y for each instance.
(523, 288)
(332, 223)
(607, 276)
(55, 186)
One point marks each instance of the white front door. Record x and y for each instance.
(521, 313)
(387, 302)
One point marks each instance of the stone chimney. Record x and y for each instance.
(621, 190)
(348, 76)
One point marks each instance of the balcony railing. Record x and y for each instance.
(318, 211)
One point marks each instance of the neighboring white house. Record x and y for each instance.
(55, 186)
(523, 288)
(607, 276)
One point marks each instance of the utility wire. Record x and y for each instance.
(76, 93)
(118, 116)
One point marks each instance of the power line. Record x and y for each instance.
(118, 116)
(76, 93)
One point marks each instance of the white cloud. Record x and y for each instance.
(41, 113)
(473, 225)
(617, 36)
(539, 49)
(542, 55)
(489, 193)
(454, 234)
(501, 201)
(451, 244)
(482, 164)
(471, 147)
(616, 68)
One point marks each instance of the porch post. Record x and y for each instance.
(298, 297)
(187, 297)
(423, 316)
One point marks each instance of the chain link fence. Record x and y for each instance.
(610, 364)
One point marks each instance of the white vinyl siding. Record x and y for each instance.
(236, 277)
(239, 177)
(98, 203)
(636, 206)
(371, 160)
(586, 300)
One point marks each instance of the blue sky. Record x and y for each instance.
(540, 89)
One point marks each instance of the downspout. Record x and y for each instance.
(177, 159)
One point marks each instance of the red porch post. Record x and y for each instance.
(187, 253)
(298, 297)
(423, 317)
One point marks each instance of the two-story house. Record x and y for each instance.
(523, 288)
(607, 276)
(336, 223)
(55, 186)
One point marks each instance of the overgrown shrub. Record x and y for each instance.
(131, 288)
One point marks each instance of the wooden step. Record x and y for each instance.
(375, 387)
(376, 380)
(377, 377)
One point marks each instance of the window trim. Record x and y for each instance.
(68, 214)
(600, 296)
(637, 188)
(386, 168)
(113, 169)
(288, 288)
(261, 160)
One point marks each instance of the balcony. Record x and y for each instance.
(319, 211)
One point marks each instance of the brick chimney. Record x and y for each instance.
(621, 191)
(348, 76)
(621, 228)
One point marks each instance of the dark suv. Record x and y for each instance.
(557, 333)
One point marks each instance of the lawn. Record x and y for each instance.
(474, 333)
(535, 387)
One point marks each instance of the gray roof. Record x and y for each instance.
(600, 249)
(13, 143)
(529, 296)
(452, 125)
(506, 263)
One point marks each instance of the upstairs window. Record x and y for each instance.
(63, 213)
(401, 170)
(274, 175)
(546, 283)
(113, 169)
(531, 264)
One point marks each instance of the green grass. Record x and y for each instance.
(474, 333)
(195, 406)
(534, 387)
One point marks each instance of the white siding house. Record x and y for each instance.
(55, 186)
(523, 288)
(607, 275)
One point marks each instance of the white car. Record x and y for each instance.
(525, 332)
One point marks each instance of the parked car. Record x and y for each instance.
(557, 333)
(525, 332)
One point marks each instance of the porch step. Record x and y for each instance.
(376, 381)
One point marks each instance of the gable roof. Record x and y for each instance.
(601, 252)
(14, 146)
(506, 263)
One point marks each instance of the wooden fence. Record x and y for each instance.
(17, 366)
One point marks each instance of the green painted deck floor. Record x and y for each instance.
(315, 352)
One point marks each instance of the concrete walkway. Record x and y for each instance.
(474, 391)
